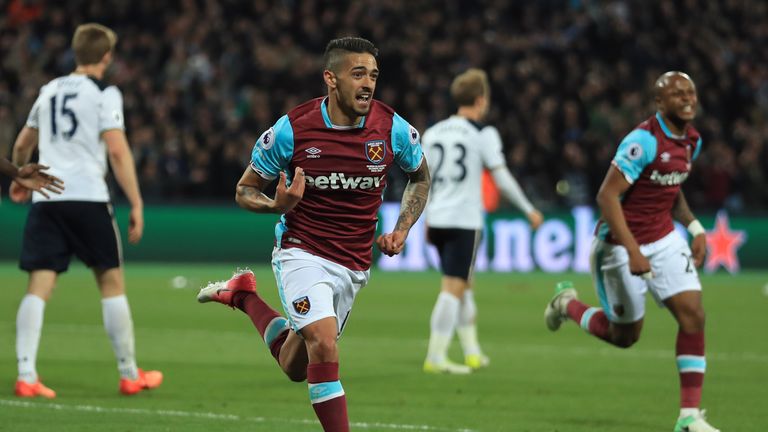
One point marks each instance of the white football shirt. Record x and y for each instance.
(70, 114)
(457, 150)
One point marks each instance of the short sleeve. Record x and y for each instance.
(33, 119)
(406, 144)
(111, 111)
(273, 150)
(491, 148)
(636, 151)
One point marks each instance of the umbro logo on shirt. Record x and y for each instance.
(665, 157)
(313, 152)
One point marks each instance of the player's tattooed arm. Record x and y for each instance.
(414, 197)
(414, 201)
(249, 193)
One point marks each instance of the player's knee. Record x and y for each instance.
(296, 375)
(625, 340)
(323, 349)
(693, 320)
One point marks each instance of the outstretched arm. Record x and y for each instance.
(413, 203)
(683, 214)
(29, 176)
(7, 168)
(249, 193)
(514, 193)
(32, 177)
(23, 148)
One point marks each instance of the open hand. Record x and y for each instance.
(286, 198)
(33, 178)
(18, 193)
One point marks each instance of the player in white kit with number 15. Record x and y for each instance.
(77, 121)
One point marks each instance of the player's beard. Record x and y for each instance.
(680, 119)
(349, 105)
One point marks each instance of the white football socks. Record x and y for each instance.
(466, 327)
(29, 324)
(685, 412)
(442, 324)
(119, 327)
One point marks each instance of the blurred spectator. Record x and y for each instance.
(203, 78)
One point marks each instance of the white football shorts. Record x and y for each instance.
(622, 295)
(312, 288)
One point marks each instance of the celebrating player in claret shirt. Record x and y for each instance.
(458, 148)
(637, 249)
(331, 156)
(77, 122)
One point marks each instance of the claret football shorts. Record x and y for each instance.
(312, 288)
(622, 294)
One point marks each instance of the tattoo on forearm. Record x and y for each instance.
(414, 200)
(248, 191)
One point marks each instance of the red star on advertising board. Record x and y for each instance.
(722, 244)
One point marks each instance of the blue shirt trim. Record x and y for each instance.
(636, 151)
(664, 127)
(274, 149)
(698, 149)
(327, 118)
(406, 144)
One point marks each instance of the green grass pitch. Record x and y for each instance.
(220, 377)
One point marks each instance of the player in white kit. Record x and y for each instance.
(76, 122)
(458, 149)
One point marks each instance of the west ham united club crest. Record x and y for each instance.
(375, 151)
(302, 305)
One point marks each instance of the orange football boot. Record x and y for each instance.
(27, 390)
(146, 380)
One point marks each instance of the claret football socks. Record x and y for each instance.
(240, 292)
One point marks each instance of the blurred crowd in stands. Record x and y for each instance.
(202, 79)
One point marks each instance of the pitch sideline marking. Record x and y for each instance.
(213, 416)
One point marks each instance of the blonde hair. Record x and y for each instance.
(468, 86)
(91, 41)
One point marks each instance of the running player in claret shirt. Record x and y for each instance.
(331, 156)
(77, 122)
(458, 149)
(636, 248)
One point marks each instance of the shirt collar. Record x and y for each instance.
(327, 118)
(666, 130)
